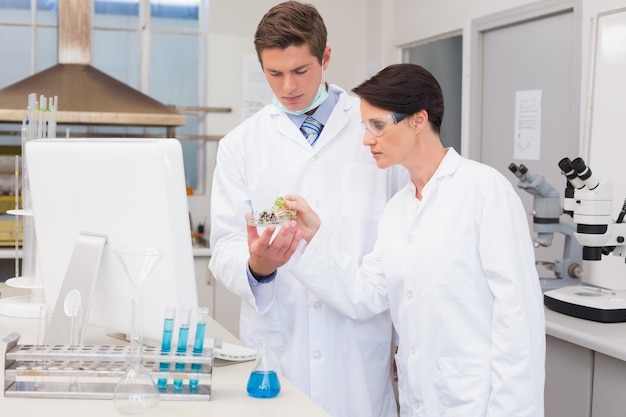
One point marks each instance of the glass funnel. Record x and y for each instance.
(136, 392)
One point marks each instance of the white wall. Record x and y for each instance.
(232, 27)
(365, 35)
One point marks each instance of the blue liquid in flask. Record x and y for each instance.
(263, 384)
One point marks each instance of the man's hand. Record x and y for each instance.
(267, 255)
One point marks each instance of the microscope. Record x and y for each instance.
(590, 202)
(546, 221)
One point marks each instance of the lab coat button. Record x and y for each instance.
(317, 355)
(417, 405)
(410, 239)
(413, 350)
(409, 295)
(317, 305)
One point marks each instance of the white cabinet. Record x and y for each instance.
(204, 280)
(222, 303)
(585, 367)
(569, 379)
(609, 387)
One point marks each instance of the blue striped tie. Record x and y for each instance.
(311, 129)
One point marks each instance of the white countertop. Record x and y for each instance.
(606, 338)
(228, 391)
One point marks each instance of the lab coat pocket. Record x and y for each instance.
(463, 386)
(363, 190)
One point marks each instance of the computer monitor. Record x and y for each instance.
(133, 192)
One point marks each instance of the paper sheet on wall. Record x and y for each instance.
(256, 91)
(527, 125)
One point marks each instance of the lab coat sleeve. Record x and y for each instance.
(518, 328)
(359, 292)
(230, 201)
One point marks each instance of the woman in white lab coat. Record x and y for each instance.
(342, 364)
(453, 263)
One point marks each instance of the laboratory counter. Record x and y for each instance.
(585, 367)
(228, 389)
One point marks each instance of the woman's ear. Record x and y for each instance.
(420, 119)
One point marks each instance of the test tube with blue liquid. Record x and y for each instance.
(166, 343)
(263, 381)
(198, 344)
(183, 336)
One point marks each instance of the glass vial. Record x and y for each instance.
(263, 381)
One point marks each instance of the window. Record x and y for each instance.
(155, 46)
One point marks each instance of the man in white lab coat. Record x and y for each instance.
(343, 365)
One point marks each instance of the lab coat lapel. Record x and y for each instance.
(336, 123)
(287, 129)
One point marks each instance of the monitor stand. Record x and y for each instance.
(72, 306)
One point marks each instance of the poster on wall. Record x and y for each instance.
(527, 125)
(256, 91)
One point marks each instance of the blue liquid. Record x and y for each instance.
(183, 335)
(198, 345)
(263, 384)
(166, 345)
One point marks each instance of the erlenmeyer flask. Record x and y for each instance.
(263, 381)
(136, 392)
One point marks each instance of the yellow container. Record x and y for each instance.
(7, 202)
(7, 230)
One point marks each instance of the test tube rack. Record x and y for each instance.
(93, 371)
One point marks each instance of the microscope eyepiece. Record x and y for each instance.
(584, 173)
(519, 171)
(572, 176)
(523, 169)
(566, 165)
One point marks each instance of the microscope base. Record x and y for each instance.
(548, 284)
(589, 303)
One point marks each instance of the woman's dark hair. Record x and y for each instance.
(291, 24)
(405, 88)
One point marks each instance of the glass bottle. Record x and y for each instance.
(263, 381)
